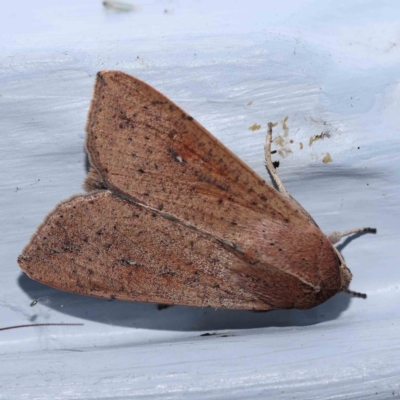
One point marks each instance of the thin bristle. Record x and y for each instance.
(31, 325)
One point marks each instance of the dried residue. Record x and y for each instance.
(285, 127)
(284, 152)
(327, 158)
(281, 141)
(254, 127)
(322, 135)
(119, 6)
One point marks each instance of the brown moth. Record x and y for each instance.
(173, 217)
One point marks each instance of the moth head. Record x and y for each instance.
(346, 277)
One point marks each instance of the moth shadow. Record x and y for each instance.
(349, 239)
(87, 161)
(177, 318)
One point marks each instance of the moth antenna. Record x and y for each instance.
(30, 325)
(355, 294)
(269, 163)
(334, 237)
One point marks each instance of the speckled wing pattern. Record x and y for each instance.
(178, 219)
(101, 245)
(148, 149)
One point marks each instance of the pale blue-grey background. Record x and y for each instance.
(330, 66)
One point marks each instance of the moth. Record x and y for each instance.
(172, 216)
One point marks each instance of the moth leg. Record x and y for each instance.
(335, 236)
(270, 166)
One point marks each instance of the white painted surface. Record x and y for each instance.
(327, 65)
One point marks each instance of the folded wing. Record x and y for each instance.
(147, 149)
(101, 245)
